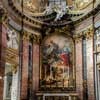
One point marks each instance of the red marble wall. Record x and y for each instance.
(79, 78)
(36, 64)
(24, 82)
(2, 57)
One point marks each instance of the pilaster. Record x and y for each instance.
(79, 78)
(3, 31)
(36, 63)
(24, 71)
(88, 34)
(90, 67)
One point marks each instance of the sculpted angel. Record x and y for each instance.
(12, 39)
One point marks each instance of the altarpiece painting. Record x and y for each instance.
(57, 62)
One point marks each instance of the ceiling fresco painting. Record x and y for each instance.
(36, 6)
(82, 4)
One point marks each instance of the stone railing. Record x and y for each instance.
(56, 96)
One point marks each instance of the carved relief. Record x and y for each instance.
(88, 33)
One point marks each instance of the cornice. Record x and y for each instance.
(66, 30)
(36, 23)
(91, 13)
(17, 16)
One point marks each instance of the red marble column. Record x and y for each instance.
(79, 78)
(90, 70)
(3, 43)
(24, 78)
(36, 66)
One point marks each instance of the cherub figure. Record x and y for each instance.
(48, 10)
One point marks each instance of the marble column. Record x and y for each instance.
(3, 40)
(90, 68)
(79, 69)
(24, 70)
(36, 64)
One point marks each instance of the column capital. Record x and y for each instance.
(26, 36)
(88, 34)
(35, 38)
(2, 11)
(3, 14)
(78, 39)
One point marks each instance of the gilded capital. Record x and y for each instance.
(3, 14)
(88, 33)
(25, 36)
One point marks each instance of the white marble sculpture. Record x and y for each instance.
(12, 39)
(59, 7)
(61, 11)
(48, 10)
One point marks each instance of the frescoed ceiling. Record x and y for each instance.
(82, 4)
(34, 6)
